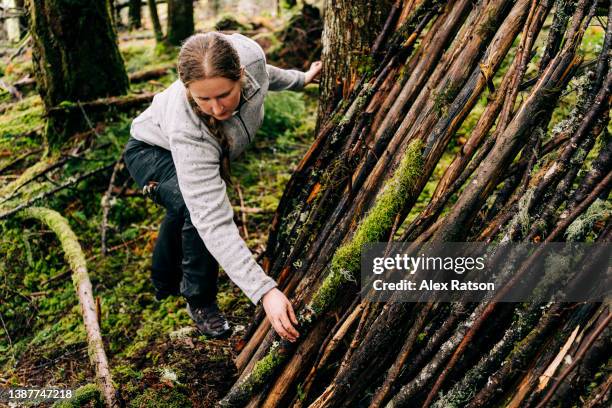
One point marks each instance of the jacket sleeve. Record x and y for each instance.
(285, 79)
(204, 191)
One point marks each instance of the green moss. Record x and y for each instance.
(23, 117)
(146, 56)
(600, 209)
(379, 220)
(260, 375)
(70, 243)
(27, 176)
(365, 65)
(444, 98)
(84, 396)
(265, 367)
(163, 398)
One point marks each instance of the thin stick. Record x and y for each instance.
(577, 359)
(106, 204)
(71, 181)
(242, 211)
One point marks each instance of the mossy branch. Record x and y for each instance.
(80, 278)
(27, 176)
(343, 268)
(346, 261)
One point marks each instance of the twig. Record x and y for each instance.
(22, 46)
(252, 210)
(11, 89)
(242, 212)
(577, 359)
(57, 359)
(19, 158)
(89, 123)
(71, 181)
(106, 203)
(56, 277)
(119, 246)
(8, 336)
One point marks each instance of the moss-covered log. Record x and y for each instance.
(80, 278)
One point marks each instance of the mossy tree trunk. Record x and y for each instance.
(135, 15)
(180, 21)
(76, 59)
(350, 29)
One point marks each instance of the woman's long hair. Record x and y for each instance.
(203, 56)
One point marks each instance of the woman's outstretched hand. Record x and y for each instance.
(313, 72)
(280, 313)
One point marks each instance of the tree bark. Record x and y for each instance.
(157, 28)
(76, 58)
(351, 27)
(134, 14)
(180, 21)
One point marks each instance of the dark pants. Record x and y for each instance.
(180, 258)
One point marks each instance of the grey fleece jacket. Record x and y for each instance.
(171, 123)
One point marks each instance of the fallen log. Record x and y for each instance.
(80, 278)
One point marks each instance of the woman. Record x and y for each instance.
(179, 154)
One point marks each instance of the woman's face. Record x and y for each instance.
(217, 97)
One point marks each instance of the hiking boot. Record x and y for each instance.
(210, 321)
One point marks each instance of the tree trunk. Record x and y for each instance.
(351, 28)
(157, 29)
(76, 59)
(180, 21)
(15, 26)
(135, 15)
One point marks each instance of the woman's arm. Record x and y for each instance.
(204, 192)
(291, 79)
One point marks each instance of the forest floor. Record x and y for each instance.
(158, 359)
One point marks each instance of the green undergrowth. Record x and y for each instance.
(142, 55)
(156, 357)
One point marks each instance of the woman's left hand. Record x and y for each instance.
(313, 72)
